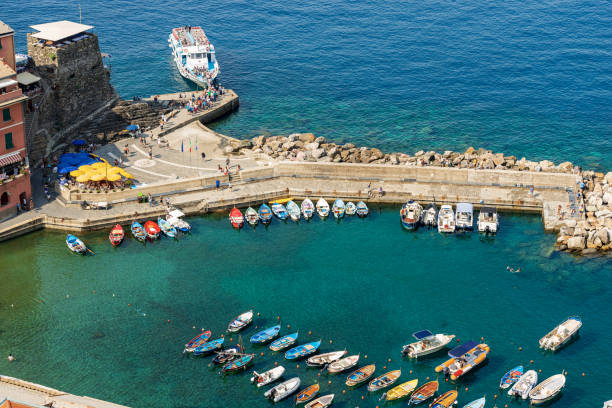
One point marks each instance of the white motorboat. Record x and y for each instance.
(428, 343)
(446, 219)
(524, 384)
(322, 208)
(464, 219)
(325, 358)
(430, 215)
(488, 220)
(321, 402)
(194, 55)
(307, 208)
(561, 334)
(547, 389)
(283, 390)
(343, 364)
(268, 376)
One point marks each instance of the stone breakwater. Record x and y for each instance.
(585, 226)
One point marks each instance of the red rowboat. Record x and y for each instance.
(236, 218)
(152, 229)
(116, 235)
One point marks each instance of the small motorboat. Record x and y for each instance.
(75, 245)
(446, 219)
(350, 208)
(208, 347)
(267, 377)
(307, 208)
(430, 215)
(251, 216)
(152, 229)
(116, 235)
(174, 217)
(464, 220)
(511, 377)
(524, 384)
(362, 209)
(236, 219)
(547, 389)
(238, 364)
(265, 336)
(265, 214)
(320, 360)
(138, 231)
(360, 375)
(197, 341)
(401, 391)
(343, 364)
(280, 211)
(322, 208)
(445, 400)
(561, 335)
(240, 322)
(307, 394)
(284, 342)
(283, 390)
(225, 356)
(303, 350)
(428, 343)
(323, 401)
(293, 210)
(463, 359)
(410, 215)
(424, 392)
(166, 228)
(338, 209)
(479, 403)
(384, 380)
(488, 220)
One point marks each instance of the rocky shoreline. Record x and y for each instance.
(587, 229)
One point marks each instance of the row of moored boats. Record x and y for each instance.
(412, 215)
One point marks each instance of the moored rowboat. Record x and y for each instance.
(360, 375)
(343, 364)
(445, 400)
(303, 350)
(326, 358)
(236, 218)
(322, 208)
(338, 208)
(240, 322)
(307, 394)
(402, 390)
(547, 389)
(362, 209)
(209, 347)
(384, 380)
(284, 342)
(265, 214)
(321, 402)
(138, 231)
(116, 235)
(167, 228)
(239, 364)
(197, 341)
(251, 216)
(265, 336)
(424, 392)
(479, 403)
(280, 211)
(75, 245)
(511, 377)
(225, 356)
(152, 229)
(307, 208)
(350, 208)
(293, 210)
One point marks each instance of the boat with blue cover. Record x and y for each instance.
(208, 347)
(75, 245)
(284, 342)
(303, 350)
(463, 359)
(338, 209)
(265, 336)
(280, 211)
(197, 341)
(138, 231)
(293, 210)
(265, 214)
(239, 364)
(166, 228)
(511, 377)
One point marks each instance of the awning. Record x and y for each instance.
(59, 30)
(25, 78)
(7, 82)
(10, 158)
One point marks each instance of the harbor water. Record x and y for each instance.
(113, 325)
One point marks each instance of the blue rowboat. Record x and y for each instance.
(138, 231)
(166, 228)
(362, 209)
(197, 341)
(338, 208)
(284, 342)
(280, 211)
(265, 336)
(265, 214)
(303, 350)
(209, 347)
(511, 377)
(75, 245)
(239, 364)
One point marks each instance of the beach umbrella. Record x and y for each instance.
(113, 177)
(85, 168)
(76, 173)
(66, 169)
(97, 177)
(83, 178)
(98, 165)
(126, 174)
(114, 170)
(79, 142)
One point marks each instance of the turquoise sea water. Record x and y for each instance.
(98, 325)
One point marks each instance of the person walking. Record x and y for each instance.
(150, 197)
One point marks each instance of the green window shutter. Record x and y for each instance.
(8, 141)
(6, 114)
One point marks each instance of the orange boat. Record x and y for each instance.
(445, 400)
(307, 394)
(116, 235)
(152, 229)
(424, 392)
(463, 359)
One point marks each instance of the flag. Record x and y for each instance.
(189, 145)
(196, 143)
(181, 146)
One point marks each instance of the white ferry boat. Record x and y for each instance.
(194, 55)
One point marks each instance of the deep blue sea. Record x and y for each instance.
(528, 78)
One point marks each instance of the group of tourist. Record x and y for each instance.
(202, 101)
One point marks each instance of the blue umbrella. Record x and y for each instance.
(79, 142)
(67, 169)
(132, 128)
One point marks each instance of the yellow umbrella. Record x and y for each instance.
(126, 174)
(76, 173)
(85, 168)
(98, 165)
(113, 177)
(83, 178)
(98, 177)
(114, 170)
